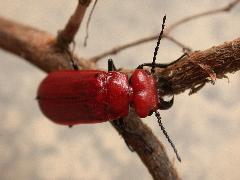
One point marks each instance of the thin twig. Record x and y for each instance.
(88, 23)
(178, 43)
(226, 8)
(116, 50)
(66, 36)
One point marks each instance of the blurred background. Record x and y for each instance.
(205, 126)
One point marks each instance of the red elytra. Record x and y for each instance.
(93, 96)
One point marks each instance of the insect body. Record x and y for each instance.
(73, 97)
(91, 96)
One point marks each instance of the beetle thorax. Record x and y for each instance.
(145, 97)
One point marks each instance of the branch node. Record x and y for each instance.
(84, 2)
(66, 36)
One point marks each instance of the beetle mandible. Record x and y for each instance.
(71, 97)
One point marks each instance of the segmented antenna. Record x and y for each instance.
(157, 47)
(166, 135)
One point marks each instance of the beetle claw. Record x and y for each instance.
(163, 105)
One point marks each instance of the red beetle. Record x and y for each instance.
(92, 96)
(71, 97)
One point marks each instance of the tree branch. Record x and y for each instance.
(66, 36)
(37, 47)
(140, 138)
(116, 50)
(201, 67)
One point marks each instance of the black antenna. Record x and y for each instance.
(166, 135)
(157, 47)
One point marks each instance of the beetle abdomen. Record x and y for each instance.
(73, 97)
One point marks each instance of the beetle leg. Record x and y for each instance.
(163, 105)
(163, 65)
(156, 65)
(173, 62)
(153, 65)
(111, 66)
(163, 85)
(144, 64)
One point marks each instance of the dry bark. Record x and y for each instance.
(205, 66)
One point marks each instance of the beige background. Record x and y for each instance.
(205, 127)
